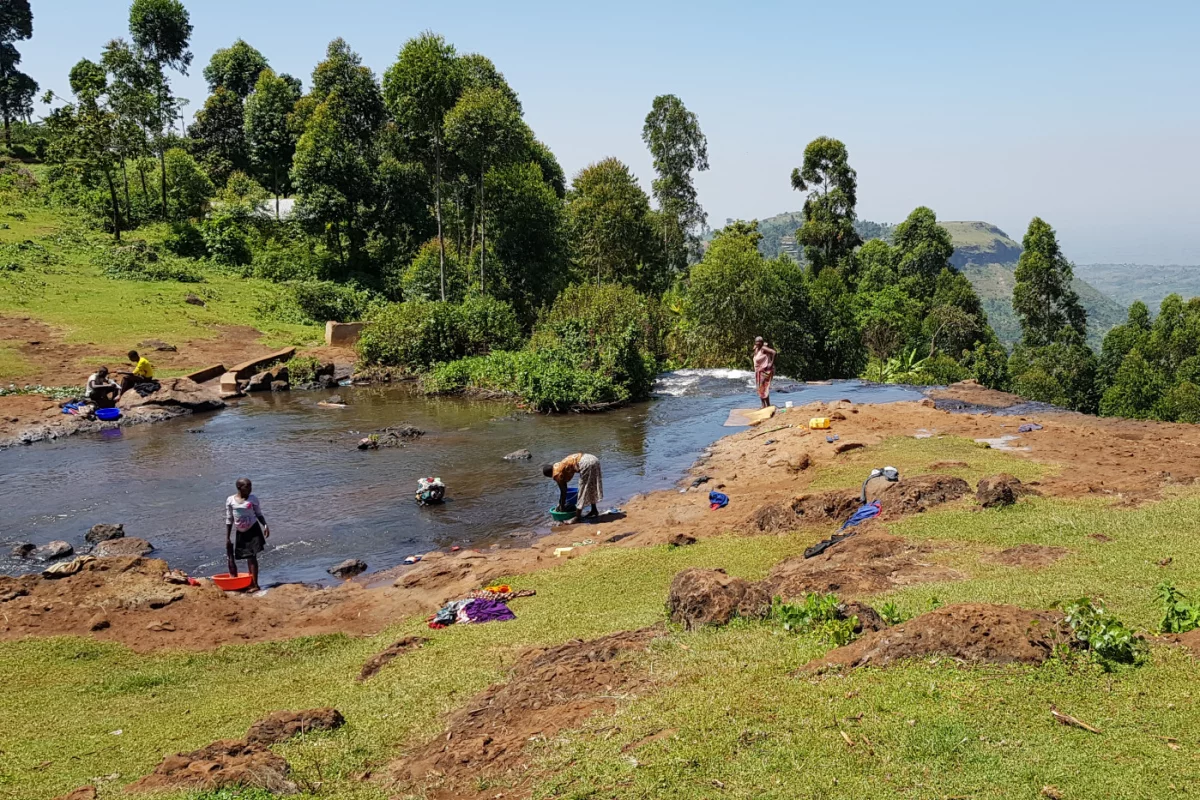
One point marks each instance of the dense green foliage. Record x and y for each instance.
(679, 148)
(16, 88)
(1107, 639)
(417, 334)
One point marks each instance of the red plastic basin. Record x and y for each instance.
(230, 583)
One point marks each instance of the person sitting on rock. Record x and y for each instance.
(591, 482)
(102, 391)
(243, 513)
(143, 370)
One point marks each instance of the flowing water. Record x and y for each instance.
(327, 501)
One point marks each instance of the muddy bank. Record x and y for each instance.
(1103, 457)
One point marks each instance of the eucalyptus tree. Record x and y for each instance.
(235, 68)
(827, 234)
(679, 148)
(420, 89)
(270, 135)
(162, 32)
(16, 88)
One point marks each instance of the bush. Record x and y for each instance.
(1108, 639)
(186, 241)
(225, 239)
(488, 324)
(322, 301)
(138, 261)
(417, 334)
(1180, 404)
(546, 380)
(282, 261)
(423, 278)
(189, 189)
(942, 370)
(988, 364)
(303, 369)
(1180, 614)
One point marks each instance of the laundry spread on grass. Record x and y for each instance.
(478, 607)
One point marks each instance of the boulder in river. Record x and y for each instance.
(176, 393)
(104, 531)
(348, 568)
(54, 551)
(280, 386)
(23, 549)
(260, 382)
(125, 546)
(519, 455)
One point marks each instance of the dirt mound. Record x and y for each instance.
(550, 690)
(681, 540)
(972, 632)
(836, 506)
(700, 597)
(866, 563)
(1028, 555)
(868, 618)
(227, 762)
(920, 493)
(1000, 490)
(1190, 640)
(382, 658)
(774, 518)
(283, 725)
(82, 793)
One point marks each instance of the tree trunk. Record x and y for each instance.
(7, 131)
(437, 185)
(125, 180)
(145, 188)
(116, 207)
(162, 167)
(482, 235)
(275, 179)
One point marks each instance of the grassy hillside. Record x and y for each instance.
(988, 257)
(1149, 283)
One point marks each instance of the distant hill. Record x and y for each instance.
(1148, 283)
(988, 257)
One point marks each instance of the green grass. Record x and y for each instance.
(738, 717)
(12, 363)
(61, 286)
(916, 456)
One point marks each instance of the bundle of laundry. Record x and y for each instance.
(430, 490)
(471, 610)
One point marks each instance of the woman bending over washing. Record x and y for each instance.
(591, 482)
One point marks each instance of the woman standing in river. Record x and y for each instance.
(243, 513)
(764, 370)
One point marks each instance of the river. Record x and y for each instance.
(327, 501)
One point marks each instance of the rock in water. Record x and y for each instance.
(519, 455)
(178, 393)
(280, 386)
(125, 546)
(103, 532)
(54, 551)
(23, 550)
(348, 568)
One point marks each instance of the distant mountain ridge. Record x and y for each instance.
(1149, 283)
(986, 255)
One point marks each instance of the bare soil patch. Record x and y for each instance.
(227, 762)
(283, 725)
(700, 597)
(1028, 555)
(550, 690)
(867, 563)
(970, 632)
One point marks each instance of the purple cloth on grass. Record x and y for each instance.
(488, 611)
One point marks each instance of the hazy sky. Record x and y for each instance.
(1084, 113)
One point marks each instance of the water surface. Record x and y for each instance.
(327, 501)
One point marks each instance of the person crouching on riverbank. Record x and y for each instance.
(244, 514)
(101, 390)
(591, 482)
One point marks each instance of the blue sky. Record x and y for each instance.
(1083, 113)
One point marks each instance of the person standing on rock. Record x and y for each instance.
(244, 514)
(764, 370)
(591, 482)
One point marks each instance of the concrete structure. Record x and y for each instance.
(342, 334)
(207, 374)
(255, 365)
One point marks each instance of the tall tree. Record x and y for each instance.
(611, 228)
(828, 233)
(16, 88)
(337, 157)
(235, 68)
(131, 96)
(420, 89)
(162, 31)
(679, 148)
(484, 129)
(270, 136)
(924, 248)
(1043, 297)
(219, 136)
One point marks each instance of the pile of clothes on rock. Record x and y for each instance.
(485, 605)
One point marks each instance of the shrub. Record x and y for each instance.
(322, 301)
(189, 189)
(225, 239)
(1180, 614)
(819, 613)
(942, 370)
(185, 240)
(282, 261)
(1180, 404)
(1107, 638)
(137, 261)
(488, 324)
(546, 380)
(423, 278)
(303, 369)
(417, 334)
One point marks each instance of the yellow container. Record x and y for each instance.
(818, 423)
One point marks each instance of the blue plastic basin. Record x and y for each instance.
(108, 414)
